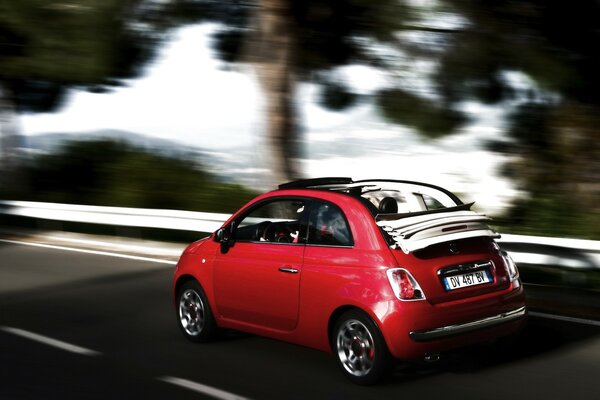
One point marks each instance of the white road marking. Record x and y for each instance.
(101, 253)
(200, 388)
(563, 318)
(50, 342)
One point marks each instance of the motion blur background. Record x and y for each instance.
(200, 104)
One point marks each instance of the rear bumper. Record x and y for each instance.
(413, 329)
(452, 330)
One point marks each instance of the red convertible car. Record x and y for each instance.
(372, 271)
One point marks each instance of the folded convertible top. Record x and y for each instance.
(411, 233)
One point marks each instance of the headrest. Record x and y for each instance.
(388, 205)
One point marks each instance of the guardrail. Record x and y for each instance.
(569, 253)
(118, 216)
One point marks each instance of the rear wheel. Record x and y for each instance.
(194, 314)
(360, 349)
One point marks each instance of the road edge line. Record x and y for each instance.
(50, 341)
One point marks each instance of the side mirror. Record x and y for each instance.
(219, 235)
(224, 237)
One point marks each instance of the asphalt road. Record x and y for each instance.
(89, 326)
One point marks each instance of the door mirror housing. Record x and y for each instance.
(225, 237)
(219, 234)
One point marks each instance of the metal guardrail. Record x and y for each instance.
(569, 253)
(118, 216)
(573, 254)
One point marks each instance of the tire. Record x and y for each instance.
(360, 349)
(194, 316)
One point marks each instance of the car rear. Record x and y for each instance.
(452, 294)
(454, 285)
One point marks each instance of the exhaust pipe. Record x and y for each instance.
(431, 358)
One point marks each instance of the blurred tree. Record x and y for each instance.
(554, 129)
(288, 42)
(438, 55)
(48, 47)
(463, 50)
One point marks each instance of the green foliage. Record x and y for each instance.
(336, 96)
(326, 34)
(551, 215)
(109, 173)
(425, 116)
(553, 131)
(54, 45)
(336, 33)
(551, 41)
(46, 47)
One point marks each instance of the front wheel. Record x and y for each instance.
(194, 315)
(360, 349)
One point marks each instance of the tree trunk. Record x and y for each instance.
(273, 56)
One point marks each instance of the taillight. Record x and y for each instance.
(511, 267)
(405, 287)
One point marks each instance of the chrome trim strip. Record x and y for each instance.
(464, 268)
(451, 330)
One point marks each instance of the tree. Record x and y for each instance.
(288, 42)
(101, 42)
(553, 128)
(48, 47)
(472, 47)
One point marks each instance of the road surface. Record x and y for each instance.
(79, 325)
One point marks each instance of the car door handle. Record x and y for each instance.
(288, 270)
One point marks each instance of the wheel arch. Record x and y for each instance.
(337, 313)
(182, 280)
(381, 360)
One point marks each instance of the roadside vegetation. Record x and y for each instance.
(112, 173)
(554, 215)
(115, 173)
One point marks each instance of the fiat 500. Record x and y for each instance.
(372, 271)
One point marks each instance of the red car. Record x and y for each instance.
(372, 271)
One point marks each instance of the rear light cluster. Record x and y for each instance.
(511, 267)
(405, 287)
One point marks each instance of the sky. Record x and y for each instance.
(189, 97)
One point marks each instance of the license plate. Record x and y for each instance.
(466, 280)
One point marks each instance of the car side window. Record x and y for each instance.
(277, 221)
(327, 226)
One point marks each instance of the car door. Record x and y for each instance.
(257, 279)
